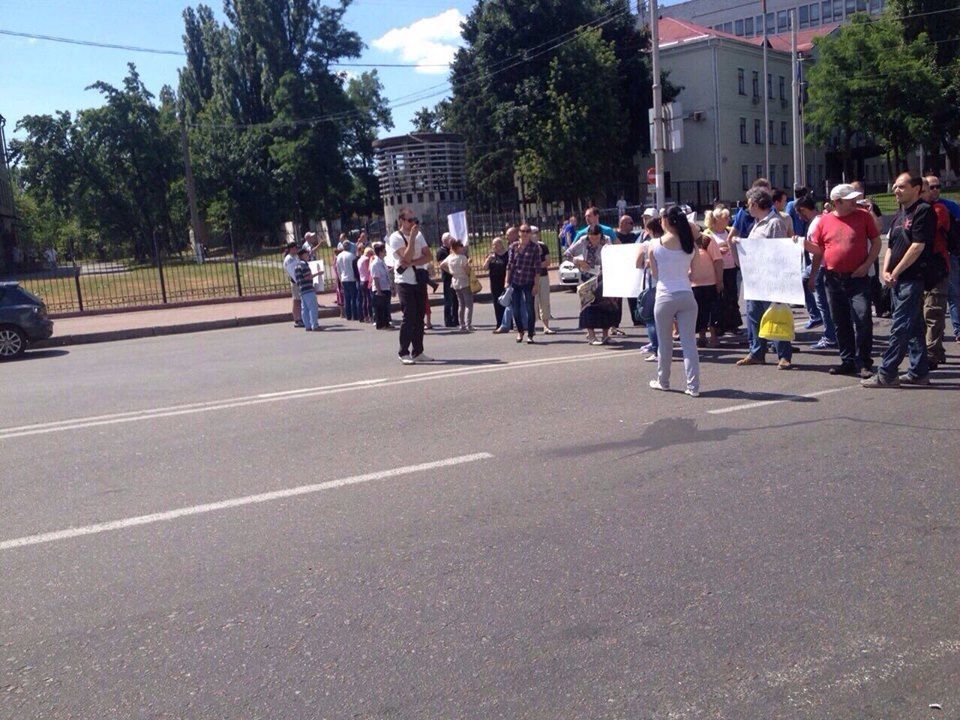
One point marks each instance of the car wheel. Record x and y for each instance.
(13, 342)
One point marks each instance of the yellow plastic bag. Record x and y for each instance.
(475, 285)
(777, 323)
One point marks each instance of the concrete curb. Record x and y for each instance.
(219, 324)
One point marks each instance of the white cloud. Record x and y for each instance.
(428, 41)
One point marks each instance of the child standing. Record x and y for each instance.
(457, 264)
(380, 279)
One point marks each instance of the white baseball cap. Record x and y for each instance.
(845, 191)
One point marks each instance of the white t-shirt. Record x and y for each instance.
(398, 244)
(345, 266)
(378, 271)
(673, 269)
(290, 266)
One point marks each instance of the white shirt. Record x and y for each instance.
(290, 266)
(345, 266)
(398, 244)
(378, 272)
(673, 269)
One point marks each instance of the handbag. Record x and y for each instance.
(506, 298)
(475, 285)
(777, 323)
(646, 300)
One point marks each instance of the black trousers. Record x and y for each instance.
(381, 309)
(413, 303)
(849, 300)
(495, 292)
(451, 306)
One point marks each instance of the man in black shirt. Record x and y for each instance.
(909, 248)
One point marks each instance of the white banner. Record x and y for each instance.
(621, 277)
(771, 269)
(457, 225)
(316, 266)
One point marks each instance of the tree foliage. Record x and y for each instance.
(501, 77)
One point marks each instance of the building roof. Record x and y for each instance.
(675, 32)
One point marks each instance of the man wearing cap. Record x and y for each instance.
(290, 261)
(953, 286)
(849, 242)
(909, 247)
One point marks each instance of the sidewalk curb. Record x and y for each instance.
(220, 324)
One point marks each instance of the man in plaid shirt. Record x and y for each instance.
(523, 270)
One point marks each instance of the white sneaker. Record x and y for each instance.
(650, 358)
(407, 360)
(422, 358)
(692, 393)
(655, 384)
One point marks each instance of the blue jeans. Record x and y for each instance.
(523, 311)
(758, 345)
(809, 299)
(908, 332)
(829, 328)
(351, 300)
(850, 307)
(953, 294)
(308, 306)
(654, 338)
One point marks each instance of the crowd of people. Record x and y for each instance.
(691, 280)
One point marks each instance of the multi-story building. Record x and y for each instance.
(747, 19)
(723, 88)
(7, 211)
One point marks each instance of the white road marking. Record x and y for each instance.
(236, 502)
(763, 403)
(297, 394)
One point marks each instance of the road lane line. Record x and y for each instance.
(296, 394)
(762, 403)
(236, 502)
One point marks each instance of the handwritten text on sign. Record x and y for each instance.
(771, 270)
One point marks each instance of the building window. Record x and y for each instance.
(745, 177)
(771, 23)
(851, 7)
(770, 85)
(804, 18)
(814, 14)
(770, 132)
(757, 132)
(741, 82)
(783, 133)
(773, 176)
(743, 130)
(838, 10)
(738, 28)
(827, 10)
(748, 26)
(783, 21)
(786, 176)
(861, 5)
(728, 28)
(874, 6)
(756, 85)
(783, 90)
(758, 25)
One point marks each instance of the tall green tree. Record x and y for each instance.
(568, 153)
(869, 82)
(500, 76)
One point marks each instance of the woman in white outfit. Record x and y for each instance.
(670, 264)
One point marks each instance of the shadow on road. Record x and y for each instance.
(41, 354)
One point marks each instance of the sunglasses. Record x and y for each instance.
(526, 231)
(934, 187)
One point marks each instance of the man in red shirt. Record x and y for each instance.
(935, 299)
(849, 243)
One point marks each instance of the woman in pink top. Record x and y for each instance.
(706, 277)
(718, 227)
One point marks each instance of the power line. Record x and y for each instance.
(428, 93)
(180, 53)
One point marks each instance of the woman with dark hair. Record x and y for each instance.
(670, 263)
(600, 313)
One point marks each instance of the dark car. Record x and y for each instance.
(23, 320)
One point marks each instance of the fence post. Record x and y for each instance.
(236, 263)
(76, 282)
(156, 252)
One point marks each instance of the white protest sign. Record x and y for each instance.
(457, 225)
(621, 277)
(316, 266)
(771, 269)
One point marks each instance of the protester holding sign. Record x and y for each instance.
(768, 223)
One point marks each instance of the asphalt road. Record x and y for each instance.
(518, 532)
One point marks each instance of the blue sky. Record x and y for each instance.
(39, 76)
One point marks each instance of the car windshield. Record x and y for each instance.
(17, 295)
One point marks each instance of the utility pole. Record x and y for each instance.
(657, 105)
(766, 97)
(795, 105)
(199, 236)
